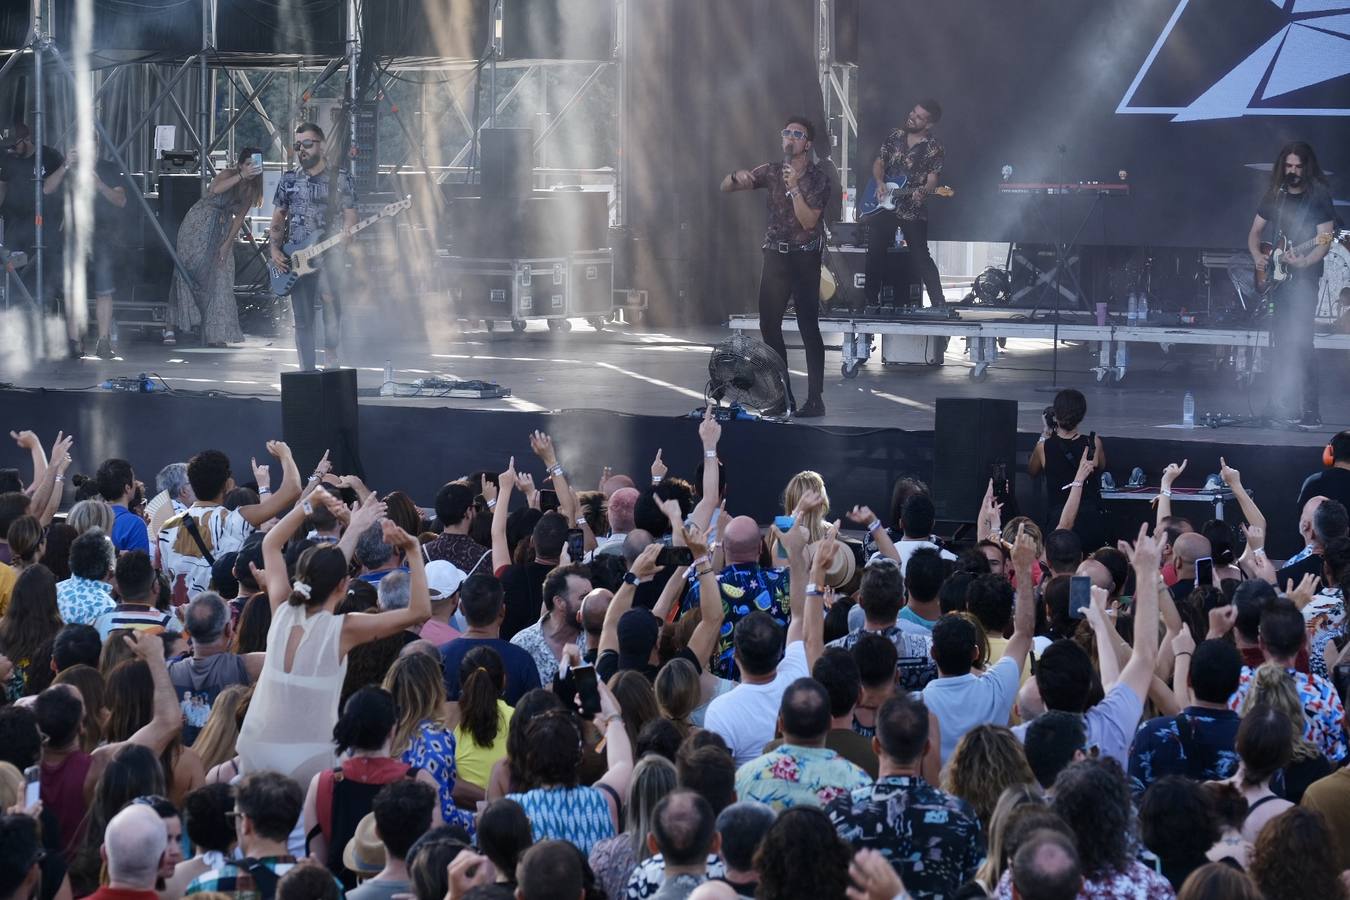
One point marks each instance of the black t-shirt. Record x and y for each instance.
(109, 219)
(1332, 483)
(1296, 217)
(607, 664)
(524, 590)
(17, 173)
(1311, 565)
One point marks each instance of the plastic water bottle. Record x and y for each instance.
(1143, 309)
(387, 387)
(1188, 410)
(1132, 310)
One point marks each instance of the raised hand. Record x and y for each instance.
(1023, 551)
(1146, 552)
(325, 465)
(1171, 473)
(525, 481)
(261, 474)
(366, 513)
(26, 440)
(467, 871)
(644, 567)
(696, 541)
(1096, 612)
(1184, 642)
(1256, 537)
(794, 539)
(1303, 594)
(542, 445)
(1231, 476)
(487, 489)
(874, 876)
(397, 538)
(709, 430)
(146, 645)
(811, 500)
(659, 468)
(672, 511)
(333, 505)
(1085, 466)
(506, 481)
(605, 475)
(862, 515)
(1221, 621)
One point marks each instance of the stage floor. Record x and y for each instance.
(633, 370)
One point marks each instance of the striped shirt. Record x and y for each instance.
(137, 618)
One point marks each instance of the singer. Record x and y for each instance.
(1296, 209)
(798, 190)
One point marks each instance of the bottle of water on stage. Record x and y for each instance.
(1143, 309)
(1188, 410)
(1132, 311)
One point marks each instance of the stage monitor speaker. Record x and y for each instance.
(970, 437)
(318, 413)
(507, 156)
(558, 29)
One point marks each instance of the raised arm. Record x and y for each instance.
(813, 612)
(618, 750)
(644, 567)
(1146, 557)
(1024, 603)
(361, 629)
(28, 440)
(1183, 648)
(1069, 514)
(865, 517)
(794, 539)
(42, 494)
(278, 582)
(711, 611)
(499, 498)
(989, 523)
(366, 513)
(542, 445)
(256, 514)
(709, 434)
(1169, 476)
(1108, 658)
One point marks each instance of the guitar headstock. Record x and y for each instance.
(397, 206)
(945, 191)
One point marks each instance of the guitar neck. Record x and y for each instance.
(330, 242)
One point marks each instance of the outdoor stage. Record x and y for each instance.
(614, 397)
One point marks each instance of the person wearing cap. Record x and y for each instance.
(378, 852)
(629, 636)
(443, 581)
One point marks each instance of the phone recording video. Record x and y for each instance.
(675, 556)
(1080, 596)
(1204, 571)
(576, 544)
(588, 689)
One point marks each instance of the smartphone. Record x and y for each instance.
(1204, 571)
(1092, 446)
(257, 161)
(1080, 596)
(33, 788)
(675, 556)
(576, 544)
(548, 499)
(588, 689)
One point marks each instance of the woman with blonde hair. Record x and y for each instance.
(1013, 798)
(89, 514)
(1273, 687)
(813, 517)
(987, 761)
(421, 737)
(215, 742)
(613, 859)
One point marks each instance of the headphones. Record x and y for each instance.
(1328, 456)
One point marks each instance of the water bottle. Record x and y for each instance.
(1188, 410)
(388, 371)
(1132, 310)
(1143, 309)
(388, 388)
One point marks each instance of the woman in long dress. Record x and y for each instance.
(289, 724)
(206, 247)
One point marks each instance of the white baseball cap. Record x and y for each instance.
(443, 578)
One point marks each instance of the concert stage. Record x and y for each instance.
(613, 397)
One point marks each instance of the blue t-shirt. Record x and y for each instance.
(129, 531)
(522, 675)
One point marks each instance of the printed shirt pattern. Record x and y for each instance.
(651, 872)
(305, 199)
(1138, 882)
(432, 749)
(533, 642)
(222, 531)
(798, 776)
(576, 814)
(1325, 616)
(783, 222)
(82, 600)
(916, 164)
(914, 665)
(933, 839)
(1325, 724)
(745, 589)
(1158, 749)
(238, 881)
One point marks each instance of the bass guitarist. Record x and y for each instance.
(1295, 209)
(303, 207)
(911, 151)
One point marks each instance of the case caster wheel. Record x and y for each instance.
(561, 325)
(850, 369)
(517, 325)
(980, 372)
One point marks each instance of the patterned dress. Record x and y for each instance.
(1138, 882)
(433, 749)
(1322, 706)
(576, 814)
(200, 237)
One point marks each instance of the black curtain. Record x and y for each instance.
(712, 82)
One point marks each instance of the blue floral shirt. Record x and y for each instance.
(745, 589)
(82, 600)
(1206, 754)
(1322, 708)
(433, 749)
(798, 776)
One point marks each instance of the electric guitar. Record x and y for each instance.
(300, 255)
(1276, 270)
(868, 205)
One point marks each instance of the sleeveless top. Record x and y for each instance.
(289, 726)
(1061, 465)
(576, 814)
(345, 795)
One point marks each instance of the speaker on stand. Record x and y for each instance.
(318, 413)
(971, 438)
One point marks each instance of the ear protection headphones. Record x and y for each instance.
(1328, 456)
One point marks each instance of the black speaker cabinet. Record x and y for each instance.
(970, 438)
(507, 161)
(318, 413)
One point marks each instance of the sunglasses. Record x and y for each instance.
(305, 144)
(795, 133)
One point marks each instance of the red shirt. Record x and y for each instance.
(62, 791)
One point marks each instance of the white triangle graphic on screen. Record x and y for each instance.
(1229, 97)
(1309, 57)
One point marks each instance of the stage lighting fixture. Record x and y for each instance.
(991, 285)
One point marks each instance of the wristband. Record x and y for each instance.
(1165, 492)
(700, 561)
(307, 507)
(315, 477)
(555, 470)
(710, 454)
(492, 503)
(812, 588)
(630, 578)
(1259, 551)
(264, 490)
(701, 572)
(656, 479)
(1181, 654)
(581, 520)
(60, 478)
(876, 523)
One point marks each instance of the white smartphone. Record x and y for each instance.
(33, 789)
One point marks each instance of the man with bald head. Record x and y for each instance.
(746, 587)
(1321, 522)
(1046, 867)
(684, 832)
(133, 846)
(619, 511)
(1186, 549)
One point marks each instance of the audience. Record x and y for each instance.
(523, 722)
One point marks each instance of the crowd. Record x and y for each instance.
(301, 688)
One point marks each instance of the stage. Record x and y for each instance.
(613, 397)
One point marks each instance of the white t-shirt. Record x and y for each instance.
(1110, 725)
(907, 546)
(222, 531)
(746, 716)
(962, 702)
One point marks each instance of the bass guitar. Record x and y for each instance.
(300, 255)
(1277, 271)
(868, 205)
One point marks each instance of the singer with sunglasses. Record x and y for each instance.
(798, 191)
(1295, 210)
(304, 205)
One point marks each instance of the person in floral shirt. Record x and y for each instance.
(803, 771)
(86, 594)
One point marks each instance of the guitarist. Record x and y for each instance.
(1296, 207)
(911, 151)
(302, 209)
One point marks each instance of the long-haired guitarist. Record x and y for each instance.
(910, 151)
(1295, 210)
(302, 209)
